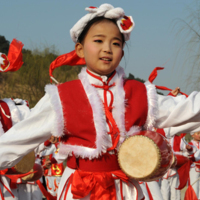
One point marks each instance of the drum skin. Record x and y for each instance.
(146, 156)
(24, 165)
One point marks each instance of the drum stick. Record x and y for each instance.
(195, 182)
(54, 80)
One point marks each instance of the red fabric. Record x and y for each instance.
(152, 77)
(190, 194)
(180, 160)
(47, 143)
(154, 74)
(101, 185)
(161, 131)
(170, 94)
(136, 104)
(165, 88)
(44, 192)
(176, 145)
(66, 59)
(13, 178)
(183, 173)
(15, 55)
(113, 128)
(183, 135)
(77, 110)
(53, 160)
(57, 169)
(5, 116)
(105, 163)
(149, 192)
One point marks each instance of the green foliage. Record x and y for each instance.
(29, 81)
(4, 45)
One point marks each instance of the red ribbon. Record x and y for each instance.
(44, 192)
(101, 185)
(183, 173)
(15, 55)
(70, 58)
(154, 74)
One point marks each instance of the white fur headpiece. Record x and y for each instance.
(125, 24)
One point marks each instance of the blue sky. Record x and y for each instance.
(153, 42)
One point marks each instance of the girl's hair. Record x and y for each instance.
(95, 20)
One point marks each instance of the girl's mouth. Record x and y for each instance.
(106, 59)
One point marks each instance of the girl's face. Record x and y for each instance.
(196, 136)
(102, 48)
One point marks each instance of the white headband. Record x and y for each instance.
(124, 23)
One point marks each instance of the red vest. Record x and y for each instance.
(78, 116)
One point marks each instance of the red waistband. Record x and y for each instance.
(105, 163)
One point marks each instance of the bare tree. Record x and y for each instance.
(189, 35)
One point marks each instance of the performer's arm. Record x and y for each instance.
(179, 111)
(26, 135)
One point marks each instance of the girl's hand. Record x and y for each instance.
(47, 164)
(175, 91)
(188, 147)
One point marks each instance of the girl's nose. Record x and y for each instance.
(107, 48)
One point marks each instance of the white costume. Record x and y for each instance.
(52, 180)
(195, 172)
(154, 190)
(25, 190)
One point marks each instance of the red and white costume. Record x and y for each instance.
(170, 180)
(54, 173)
(134, 106)
(195, 172)
(151, 190)
(12, 112)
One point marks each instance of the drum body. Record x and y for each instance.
(145, 156)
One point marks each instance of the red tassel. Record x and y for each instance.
(15, 55)
(66, 59)
(190, 194)
(154, 74)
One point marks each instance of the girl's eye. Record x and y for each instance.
(116, 44)
(98, 41)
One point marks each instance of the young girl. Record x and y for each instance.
(95, 114)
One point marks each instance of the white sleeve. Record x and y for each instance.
(60, 157)
(26, 135)
(180, 113)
